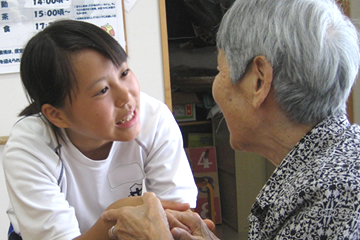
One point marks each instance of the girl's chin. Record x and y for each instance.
(130, 134)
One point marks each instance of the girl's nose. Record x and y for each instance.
(121, 95)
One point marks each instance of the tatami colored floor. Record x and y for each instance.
(224, 232)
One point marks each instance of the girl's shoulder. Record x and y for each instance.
(149, 103)
(153, 111)
(32, 129)
(156, 119)
(32, 145)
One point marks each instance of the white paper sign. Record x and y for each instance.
(129, 4)
(21, 19)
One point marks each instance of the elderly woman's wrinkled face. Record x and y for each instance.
(233, 100)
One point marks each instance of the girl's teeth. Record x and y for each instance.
(128, 118)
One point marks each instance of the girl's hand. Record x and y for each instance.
(146, 221)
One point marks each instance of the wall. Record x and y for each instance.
(4, 202)
(144, 49)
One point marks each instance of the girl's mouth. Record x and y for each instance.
(126, 119)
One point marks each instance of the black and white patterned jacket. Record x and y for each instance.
(315, 191)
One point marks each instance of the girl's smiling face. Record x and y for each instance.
(106, 104)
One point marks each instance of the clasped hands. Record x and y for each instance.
(158, 219)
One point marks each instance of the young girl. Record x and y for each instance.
(88, 139)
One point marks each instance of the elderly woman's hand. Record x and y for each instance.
(146, 221)
(199, 228)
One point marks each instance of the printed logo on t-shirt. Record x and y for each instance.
(135, 190)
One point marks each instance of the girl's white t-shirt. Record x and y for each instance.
(50, 203)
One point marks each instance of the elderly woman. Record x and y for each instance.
(286, 69)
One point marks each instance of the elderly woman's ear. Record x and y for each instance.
(263, 77)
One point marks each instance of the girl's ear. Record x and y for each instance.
(54, 115)
(262, 85)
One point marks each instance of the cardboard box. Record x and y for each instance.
(204, 165)
(202, 159)
(200, 140)
(184, 112)
(202, 208)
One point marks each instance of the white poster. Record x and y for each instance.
(129, 4)
(21, 19)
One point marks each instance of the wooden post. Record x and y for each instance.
(165, 53)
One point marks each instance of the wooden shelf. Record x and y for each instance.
(181, 124)
(3, 140)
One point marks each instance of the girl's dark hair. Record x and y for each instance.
(46, 67)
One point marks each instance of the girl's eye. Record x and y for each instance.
(104, 90)
(124, 73)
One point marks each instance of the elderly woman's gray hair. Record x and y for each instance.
(312, 47)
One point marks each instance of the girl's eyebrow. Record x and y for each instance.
(123, 65)
(94, 83)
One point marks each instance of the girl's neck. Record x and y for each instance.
(100, 153)
(95, 150)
